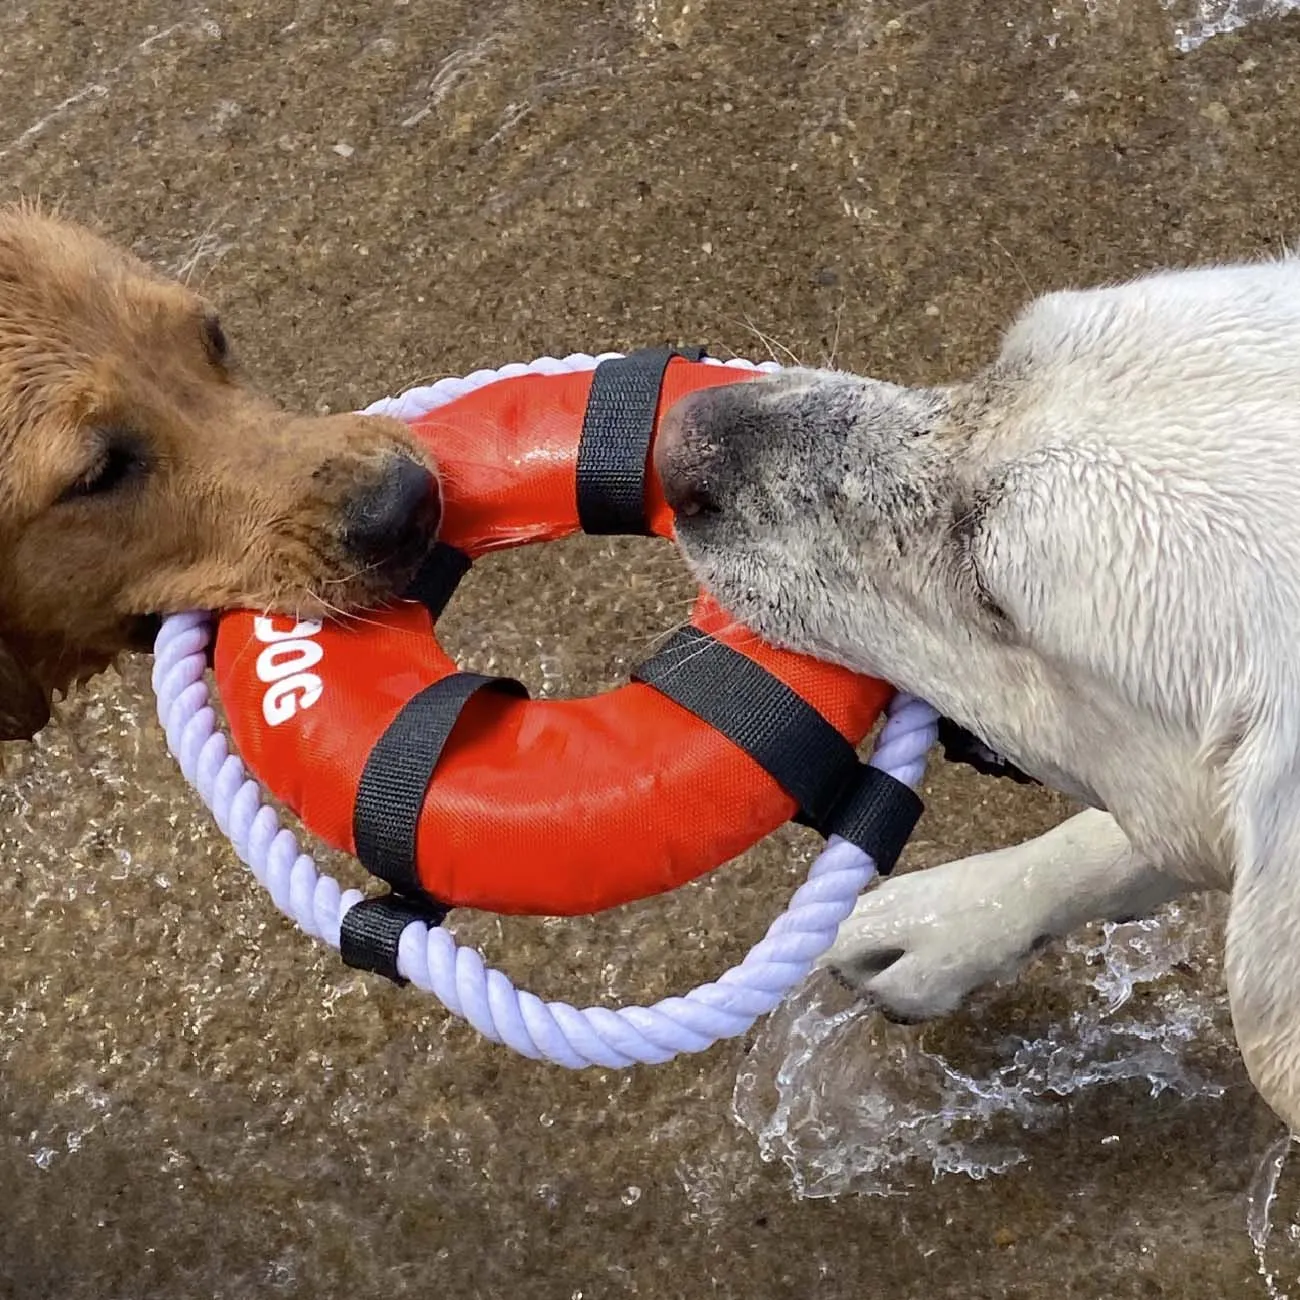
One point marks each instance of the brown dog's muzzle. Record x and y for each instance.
(392, 521)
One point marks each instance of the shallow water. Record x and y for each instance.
(194, 1100)
(864, 1106)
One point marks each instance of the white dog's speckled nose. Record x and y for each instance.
(685, 459)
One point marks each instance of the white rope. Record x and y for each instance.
(428, 956)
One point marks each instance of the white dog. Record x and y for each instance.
(1089, 555)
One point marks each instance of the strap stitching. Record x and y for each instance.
(395, 780)
(618, 428)
(797, 747)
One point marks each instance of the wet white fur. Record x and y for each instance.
(1122, 620)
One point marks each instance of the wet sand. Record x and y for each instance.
(194, 1100)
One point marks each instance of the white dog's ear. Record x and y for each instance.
(1263, 950)
(24, 702)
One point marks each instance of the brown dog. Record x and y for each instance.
(139, 478)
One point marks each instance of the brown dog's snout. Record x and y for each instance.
(393, 518)
(686, 458)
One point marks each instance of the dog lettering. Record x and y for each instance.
(284, 665)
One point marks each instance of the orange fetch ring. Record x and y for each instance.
(457, 788)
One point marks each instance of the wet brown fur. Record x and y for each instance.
(139, 477)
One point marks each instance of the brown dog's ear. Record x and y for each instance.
(24, 702)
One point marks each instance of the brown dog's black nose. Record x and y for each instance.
(685, 459)
(394, 515)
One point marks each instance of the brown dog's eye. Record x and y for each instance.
(119, 464)
(214, 339)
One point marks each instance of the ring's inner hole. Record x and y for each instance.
(568, 618)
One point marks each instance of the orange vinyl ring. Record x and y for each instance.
(553, 807)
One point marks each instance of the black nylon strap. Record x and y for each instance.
(774, 725)
(878, 813)
(788, 739)
(437, 578)
(614, 448)
(398, 771)
(370, 931)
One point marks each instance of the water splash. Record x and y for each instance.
(1193, 21)
(1259, 1212)
(849, 1102)
(1208, 18)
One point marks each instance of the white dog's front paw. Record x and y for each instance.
(920, 943)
